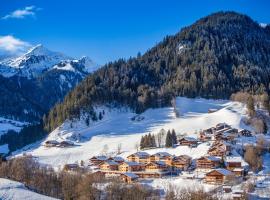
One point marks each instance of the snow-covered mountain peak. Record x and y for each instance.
(39, 59)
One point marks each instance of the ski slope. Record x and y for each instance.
(12, 190)
(118, 128)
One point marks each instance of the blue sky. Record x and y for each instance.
(108, 30)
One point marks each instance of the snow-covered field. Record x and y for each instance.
(8, 124)
(117, 128)
(12, 190)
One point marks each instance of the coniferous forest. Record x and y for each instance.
(218, 55)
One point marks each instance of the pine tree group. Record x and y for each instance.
(171, 138)
(148, 141)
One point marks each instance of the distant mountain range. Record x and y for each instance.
(32, 83)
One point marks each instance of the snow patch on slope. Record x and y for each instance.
(117, 127)
(12, 190)
(8, 124)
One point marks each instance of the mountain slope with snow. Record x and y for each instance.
(119, 127)
(12, 190)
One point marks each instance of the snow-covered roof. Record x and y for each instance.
(132, 163)
(162, 154)
(131, 175)
(223, 171)
(111, 162)
(103, 158)
(4, 149)
(161, 163)
(191, 139)
(233, 159)
(118, 159)
(141, 154)
(213, 158)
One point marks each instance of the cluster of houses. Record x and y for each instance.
(217, 167)
(142, 165)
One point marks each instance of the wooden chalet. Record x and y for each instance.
(234, 164)
(141, 157)
(162, 156)
(218, 176)
(65, 144)
(217, 151)
(129, 177)
(207, 162)
(157, 166)
(188, 141)
(109, 165)
(71, 167)
(130, 167)
(222, 126)
(96, 160)
(182, 162)
(51, 143)
(245, 133)
(220, 148)
(118, 159)
(205, 136)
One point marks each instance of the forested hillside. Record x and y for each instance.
(213, 58)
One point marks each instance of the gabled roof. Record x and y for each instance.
(222, 171)
(140, 154)
(110, 162)
(101, 158)
(131, 175)
(182, 157)
(233, 159)
(118, 159)
(132, 163)
(212, 158)
(190, 139)
(159, 163)
(162, 154)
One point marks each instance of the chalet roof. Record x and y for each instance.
(190, 139)
(72, 165)
(101, 158)
(118, 159)
(182, 157)
(132, 163)
(212, 158)
(141, 154)
(110, 162)
(131, 175)
(222, 171)
(233, 159)
(162, 154)
(51, 142)
(160, 163)
(244, 130)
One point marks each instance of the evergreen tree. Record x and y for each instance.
(174, 138)
(153, 141)
(168, 142)
(142, 143)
